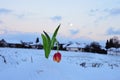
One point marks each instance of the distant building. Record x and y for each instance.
(3, 43)
(37, 46)
(14, 44)
(20, 44)
(61, 47)
(72, 47)
(76, 47)
(113, 51)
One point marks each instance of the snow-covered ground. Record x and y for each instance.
(30, 64)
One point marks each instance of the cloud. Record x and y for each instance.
(5, 11)
(90, 33)
(20, 16)
(94, 10)
(1, 22)
(73, 32)
(5, 30)
(56, 18)
(12, 36)
(104, 14)
(114, 11)
(106, 11)
(112, 31)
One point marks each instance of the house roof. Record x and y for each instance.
(80, 45)
(13, 41)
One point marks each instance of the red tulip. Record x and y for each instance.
(57, 57)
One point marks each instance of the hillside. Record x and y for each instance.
(30, 64)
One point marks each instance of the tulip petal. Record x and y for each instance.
(57, 57)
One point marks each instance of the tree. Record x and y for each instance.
(87, 48)
(107, 46)
(113, 42)
(37, 40)
(95, 46)
(116, 42)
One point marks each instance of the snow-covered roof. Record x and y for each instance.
(73, 45)
(80, 45)
(13, 41)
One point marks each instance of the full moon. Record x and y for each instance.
(70, 24)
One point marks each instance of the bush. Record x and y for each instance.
(95, 48)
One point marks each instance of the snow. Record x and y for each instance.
(77, 45)
(114, 51)
(30, 64)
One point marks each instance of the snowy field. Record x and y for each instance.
(30, 64)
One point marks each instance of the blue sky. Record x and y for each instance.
(79, 19)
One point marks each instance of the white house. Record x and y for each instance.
(76, 47)
(72, 47)
(114, 51)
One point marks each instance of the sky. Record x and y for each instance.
(96, 20)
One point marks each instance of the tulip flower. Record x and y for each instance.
(57, 57)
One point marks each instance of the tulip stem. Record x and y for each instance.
(57, 46)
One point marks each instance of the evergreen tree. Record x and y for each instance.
(111, 44)
(107, 45)
(116, 42)
(37, 40)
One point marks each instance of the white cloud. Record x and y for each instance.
(5, 11)
(1, 22)
(17, 36)
(114, 11)
(112, 31)
(74, 31)
(56, 18)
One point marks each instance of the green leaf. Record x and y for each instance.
(49, 42)
(53, 42)
(46, 45)
(47, 35)
(54, 37)
(56, 31)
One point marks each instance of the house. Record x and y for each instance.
(20, 44)
(60, 45)
(113, 51)
(76, 47)
(14, 44)
(26, 44)
(3, 43)
(81, 46)
(72, 47)
(37, 46)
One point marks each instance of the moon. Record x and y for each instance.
(70, 24)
